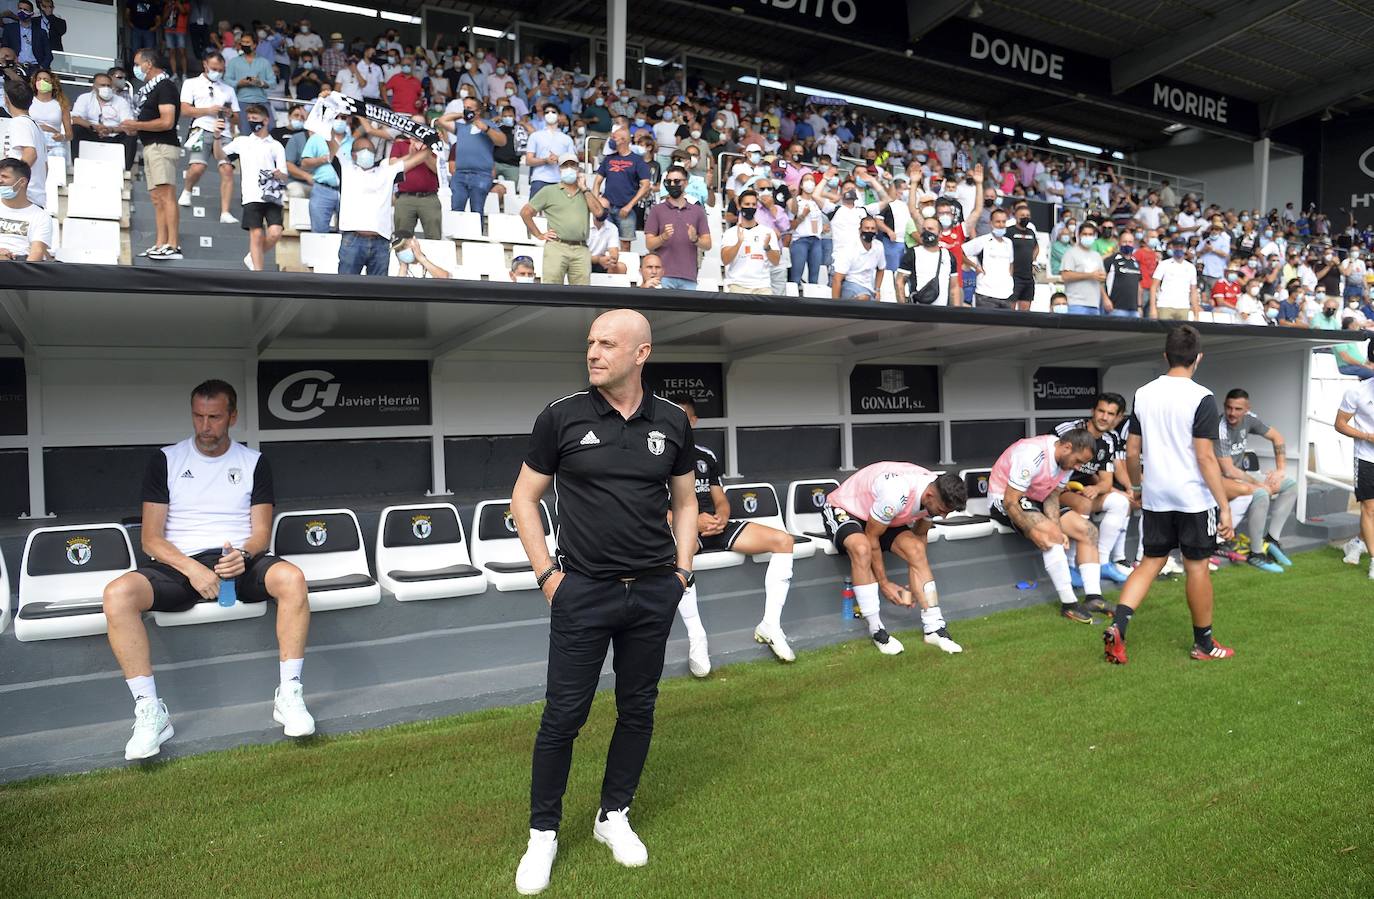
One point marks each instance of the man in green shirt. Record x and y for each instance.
(566, 206)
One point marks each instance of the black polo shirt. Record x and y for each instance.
(1104, 458)
(1023, 242)
(1123, 281)
(708, 476)
(611, 479)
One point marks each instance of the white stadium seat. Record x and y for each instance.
(93, 149)
(496, 548)
(89, 241)
(63, 576)
(485, 258)
(759, 503)
(816, 291)
(94, 198)
(320, 252)
(504, 228)
(4, 595)
(973, 521)
(462, 225)
(422, 553)
(805, 499)
(492, 205)
(327, 546)
(298, 213)
(600, 279)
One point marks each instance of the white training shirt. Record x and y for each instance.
(1168, 413)
(24, 132)
(860, 266)
(258, 158)
(1175, 279)
(844, 227)
(201, 92)
(208, 499)
(365, 195)
(750, 267)
(995, 258)
(1359, 401)
(21, 227)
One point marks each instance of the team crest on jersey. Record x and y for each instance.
(316, 533)
(236, 476)
(510, 521)
(79, 550)
(751, 502)
(982, 485)
(702, 466)
(818, 497)
(658, 442)
(421, 526)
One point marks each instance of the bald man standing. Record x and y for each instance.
(619, 576)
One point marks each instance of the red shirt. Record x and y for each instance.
(1225, 293)
(952, 239)
(1148, 259)
(419, 180)
(406, 91)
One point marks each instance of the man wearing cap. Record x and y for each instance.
(1175, 285)
(566, 208)
(334, 57)
(743, 173)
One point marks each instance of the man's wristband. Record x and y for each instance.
(548, 573)
(688, 578)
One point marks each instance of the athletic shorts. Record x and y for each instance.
(1022, 290)
(172, 592)
(1364, 480)
(839, 524)
(160, 163)
(999, 514)
(260, 215)
(1193, 534)
(205, 154)
(723, 541)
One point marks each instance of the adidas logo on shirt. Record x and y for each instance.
(590, 439)
(187, 474)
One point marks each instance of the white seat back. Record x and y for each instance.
(805, 499)
(505, 228)
(320, 252)
(63, 576)
(327, 546)
(103, 152)
(89, 241)
(486, 258)
(298, 213)
(976, 481)
(601, 279)
(758, 503)
(462, 225)
(4, 595)
(422, 552)
(495, 545)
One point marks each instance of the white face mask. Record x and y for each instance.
(105, 93)
(551, 118)
(213, 75)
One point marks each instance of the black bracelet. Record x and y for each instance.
(548, 573)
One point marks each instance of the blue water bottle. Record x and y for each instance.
(228, 594)
(847, 605)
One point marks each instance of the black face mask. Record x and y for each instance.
(748, 213)
(989, 201)
(674, 190)
(1022, 220)
(867, 236)
(469, 115)
(256, 126)
(929, 238)
(851, 195)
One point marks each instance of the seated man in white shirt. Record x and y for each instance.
(859, 273)
(604, 246)
(96, 115)
(25, 229)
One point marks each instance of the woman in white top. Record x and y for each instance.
(809, 223)
(51, 110)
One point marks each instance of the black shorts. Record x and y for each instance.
(1022, 290)
(1193, 534)
(723, 541)
(999, 515)
(172, 592)
(260, 215)
(1364, 480)
(839, 524)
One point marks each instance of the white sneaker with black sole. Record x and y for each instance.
(887, 644)
(155, 250)
(776, 640)
(152, 728)
(942, 639)
(698, 657)
(532, 877)
(615, 832)
(288, 710)
(1354, 548)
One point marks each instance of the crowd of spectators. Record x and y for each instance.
(800, 187)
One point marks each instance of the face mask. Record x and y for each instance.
(8, 192)
(1127, 250)
(567, 176)
(1353, 304)
(391, 60)
(338, 45)
(405, 70)
(581, 130)
(867, 236)
(118, 83)
(406, 257)
(720, 125)
(105, 93)
(1254, 291)
(140, 74)
(1233, 276)
(340, 126)
(43, 86)
(500, 70)
(851, 195)
(638, 149)
(1328, 312)
(255, 127)
(508, 120)
(667, 115)
(807, 187)
(675, 190)
(998, 232)
(929, 238)
(639, 120)
(365, 159)
(1177, 254)
(748, 213)
(24, 15)
(551, 118)
(469, 115)
(297, 124)
(946, 220)
(1066, 237)
(1086, 239)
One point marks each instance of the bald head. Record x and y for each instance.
(618, 345)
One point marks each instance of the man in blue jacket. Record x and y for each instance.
(26, 38)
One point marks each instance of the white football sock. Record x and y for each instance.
(867, 597)
(932, 619)
(142, 687)
(290, 670)
(1239, 506)
(1119, 550)
(1057, 564)
(1091, 572)
(688, 610)
(776, 580)
(1116, 511)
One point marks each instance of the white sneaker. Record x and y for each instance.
(776, 640)
(887, 644)
(184, 199)
(532, 876)
(1171, 566)
(288, 710)
(698, 658)
(227, 219)
(1354, 548)
(152, 728)
(615, 832)
(942, 639)
(248, 261)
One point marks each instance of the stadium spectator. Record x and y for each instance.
(859, 274)
(1352, 358)
(1060, 245)
(472, 159)
(306, 78)
(1292, 312)
(773, 214)
(293, 140)
(1081, 268)
(995, 284)
(506, 157)
(175, 26)
(249, 74)
(1025, 246)
(411, 261)
(365, 202)
(1214, 251)
(603, 244)
(749, 250)
(1106, 242)
(1226, 294)
(26, 141)
(52, 111)
(809, 227)
(1124, 290)
(650, 271)
(544, 149)
(157, 109)
(207, 518)
(25, 228)
(1271, 498)
(334, 58)
(417, 195)
(566, 210)
(676, 230)
(522, 270)
(1176, 296)
(54, 26)
(925, 274)
(200, 25)
(1355, 270)
(26, 37)
(498, 81)
(316, 160)
(214, 109)
(360, 77)
(96, 115)
(1150, 214)
(262, 171)
(1327, 319)
(404, 92)
(623, 179)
